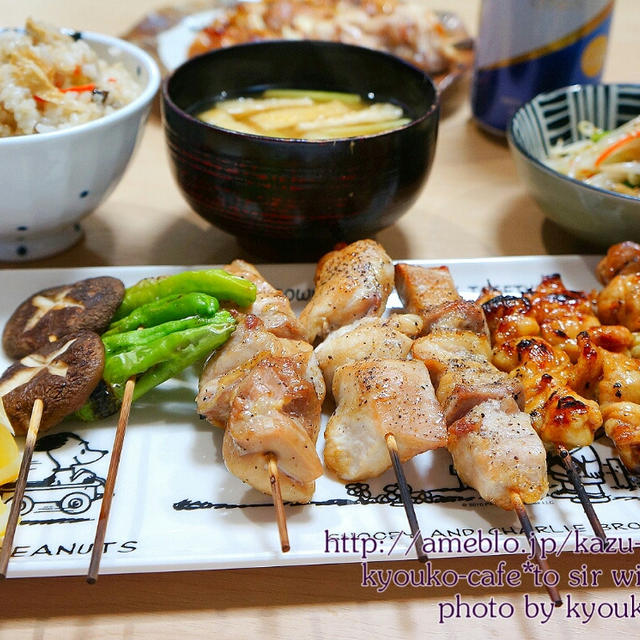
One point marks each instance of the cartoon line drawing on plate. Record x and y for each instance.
(60, 480)
(592, 469)
(593, 472)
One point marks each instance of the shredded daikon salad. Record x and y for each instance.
(605, 159)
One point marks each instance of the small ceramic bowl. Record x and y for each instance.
(299, 197)
(50, 181)
(594, 214)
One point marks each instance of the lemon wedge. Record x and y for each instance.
(4, 516)
(9, 456)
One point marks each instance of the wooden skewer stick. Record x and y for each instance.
(572, 472)
(521, 512)
(109, 485)
(16, 504)
(281, 518)
(405, 494)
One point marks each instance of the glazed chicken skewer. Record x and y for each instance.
(386, 410)
(493, 445)
(562, 418)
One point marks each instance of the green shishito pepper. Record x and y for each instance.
(174, 307)
(135, 340)
(153, 355)
(214, 282)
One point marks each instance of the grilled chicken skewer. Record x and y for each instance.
(562, 418)
(573, 312)
(386, 411)
(264, 388)
(494, 447)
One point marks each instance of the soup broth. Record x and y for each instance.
(306, 115)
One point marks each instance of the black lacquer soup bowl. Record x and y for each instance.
(299, 196)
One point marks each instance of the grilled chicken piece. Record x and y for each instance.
(562, 314)
(621, 259)
(614, 380)
(350, 283)
(444, 346)
(619, 301)
(459, 364)
(248, 345)
(559, 414)
(389, 338)
(432, 294)
(275, 410)
(496, 451)
(424, 291)
(271, 305)
(375, 398)
(456, 350)
(509, 317)
(469, 382)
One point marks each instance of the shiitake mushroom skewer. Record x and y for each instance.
(37, 392)
(21, 482)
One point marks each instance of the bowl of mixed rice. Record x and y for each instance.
(72, 109)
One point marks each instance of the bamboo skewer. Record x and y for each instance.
(521, 512)
(109, 485)
(405, 494)
(574, 477)
(281, 518)
(21, 482)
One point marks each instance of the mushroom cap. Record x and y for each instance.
(63, 373)
(87, 304)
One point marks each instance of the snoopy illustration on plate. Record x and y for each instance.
(61, 479)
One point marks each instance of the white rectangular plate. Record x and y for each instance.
(177, 508)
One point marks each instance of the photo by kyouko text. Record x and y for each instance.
(400, 544)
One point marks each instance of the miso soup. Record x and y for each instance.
(306, 115)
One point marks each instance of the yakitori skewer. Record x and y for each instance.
(109, 485)
(574, 478)
(363, 359)
(405, 494)
(527, 527)
(264, 388)
(491, 440)
(281, 518)
(54, 381)
(21, 482)
(562, 418)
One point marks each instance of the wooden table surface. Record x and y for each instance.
(472, 206)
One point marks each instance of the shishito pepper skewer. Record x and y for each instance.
(162, 344)
(173, 307)
(215, 282)
(177, 345)
(110, 482)
(155, 355)
(153, 362)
